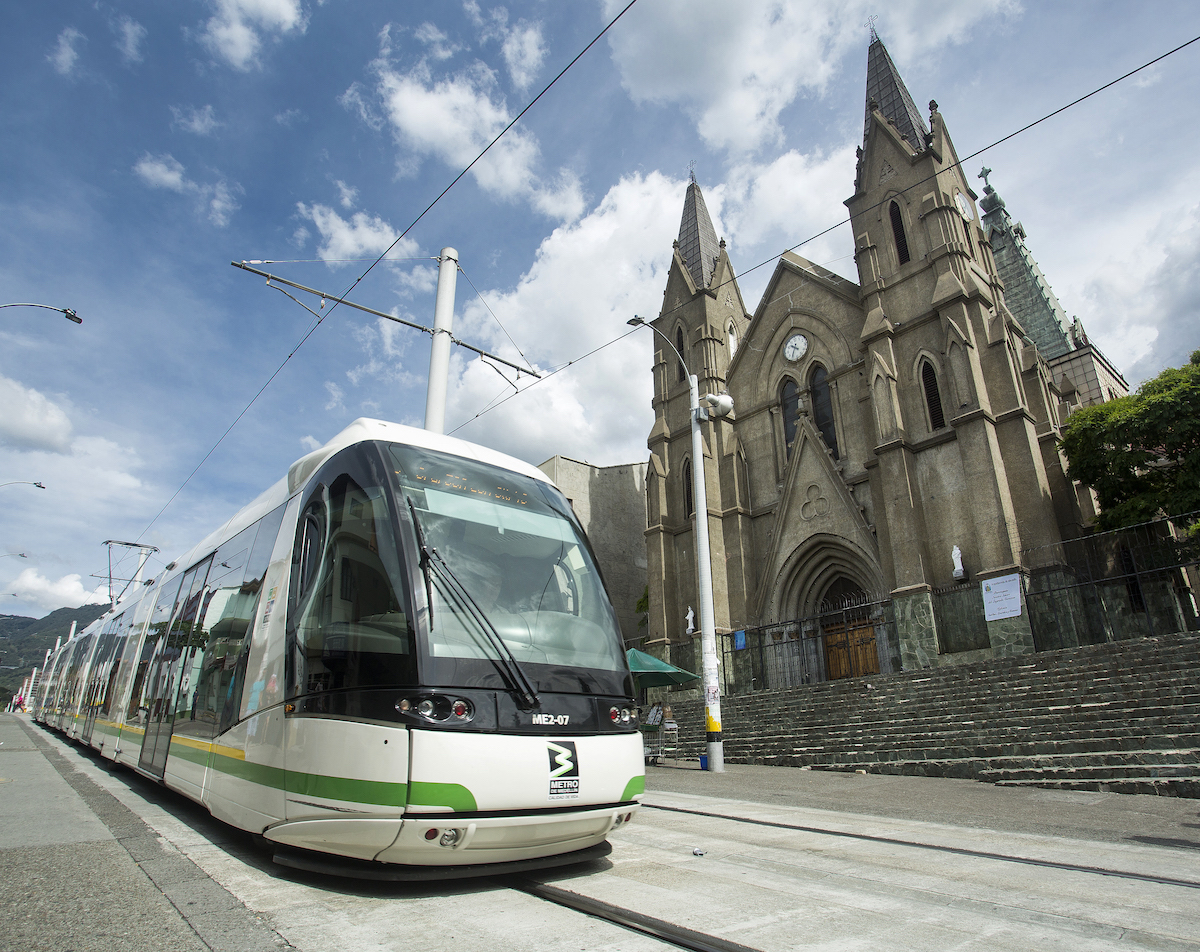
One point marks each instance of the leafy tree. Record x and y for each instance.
(1141, 453)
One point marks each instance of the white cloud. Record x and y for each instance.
(29, 420)
(774, 205)
(64, 56)
(1143, 316)
(347, 194)
(201, 122)
(310, 443)
(32, 588)
(524, 53)
(221, 203)
(598, 409)
(235, 33)
(439, 45)
(130, 34)
(452, 119)
(737, 89)
(522, 45)
(337, 396)
(164, 171)
(289, 117)
(361, 236)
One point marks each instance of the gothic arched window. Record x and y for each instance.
(898, 234)
(679, 347)
(789, 407)
(689, 500)
(822, 404)
(933, 396)
(733, 341)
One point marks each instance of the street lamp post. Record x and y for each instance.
(719, 405)
(68, 313)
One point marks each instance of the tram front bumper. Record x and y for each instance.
(449, 840)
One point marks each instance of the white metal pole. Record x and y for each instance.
(708, 628)
(439, 351)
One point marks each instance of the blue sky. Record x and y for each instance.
(146, 145)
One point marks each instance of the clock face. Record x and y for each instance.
(796, 347)
(964, 205)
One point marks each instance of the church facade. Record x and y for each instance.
(892, 441)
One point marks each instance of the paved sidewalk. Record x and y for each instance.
(1103, 817)
(80, 871)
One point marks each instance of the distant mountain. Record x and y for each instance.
(24, 640)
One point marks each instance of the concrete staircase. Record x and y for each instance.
(1122, 717)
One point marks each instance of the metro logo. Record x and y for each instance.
(564, 770)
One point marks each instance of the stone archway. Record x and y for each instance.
(832, 589)
(847, 631)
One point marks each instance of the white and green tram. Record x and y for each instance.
(401, 654)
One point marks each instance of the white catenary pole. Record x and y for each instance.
(439, 352)
(708, 629)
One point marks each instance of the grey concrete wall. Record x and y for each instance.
(610, 502)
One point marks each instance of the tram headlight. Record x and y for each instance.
(425, 708)
(620, 715)
(450, 838)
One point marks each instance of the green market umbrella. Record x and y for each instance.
(649, 672)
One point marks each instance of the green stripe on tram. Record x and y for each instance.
(346, 789)
(453, 795)
(633, 788)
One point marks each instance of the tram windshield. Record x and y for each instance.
(513, 544)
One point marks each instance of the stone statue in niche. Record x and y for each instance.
(959, 572)
(691, 620)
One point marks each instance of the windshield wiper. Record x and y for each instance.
(424, 562)
(519, 683)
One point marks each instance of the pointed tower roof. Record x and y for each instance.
(697, 237)
(1026, 290)
(887, 89)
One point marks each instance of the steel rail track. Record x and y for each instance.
(956, 850)
(676, 935)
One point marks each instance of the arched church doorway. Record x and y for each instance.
(848, 631)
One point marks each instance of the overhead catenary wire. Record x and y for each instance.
(741, 274)
(846, 221)
(608, 26)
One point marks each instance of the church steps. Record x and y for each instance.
(1122, 716)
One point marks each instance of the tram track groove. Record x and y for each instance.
(934, 847)
(679, 936)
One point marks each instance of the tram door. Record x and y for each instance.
(98, 679)
(171, 658)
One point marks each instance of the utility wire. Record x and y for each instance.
(401, 236)
(959, 162)
(493, 313)
(846, 221)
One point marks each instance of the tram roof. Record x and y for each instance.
(361, 430)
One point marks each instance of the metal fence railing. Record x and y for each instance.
(850, 638)
(1109, 586)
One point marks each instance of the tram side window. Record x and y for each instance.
(352, 629)
(209, 703)
(156, 636)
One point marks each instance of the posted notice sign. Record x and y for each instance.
(1001, 597)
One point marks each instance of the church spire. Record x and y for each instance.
(697, 237)
(887, 90)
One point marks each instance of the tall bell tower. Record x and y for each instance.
(704, 318)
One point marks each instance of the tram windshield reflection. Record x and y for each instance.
(514, 545)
